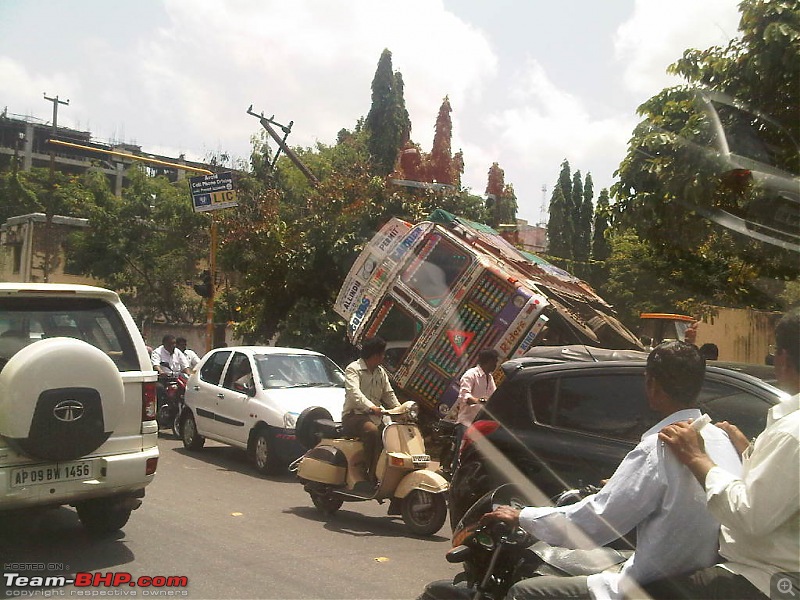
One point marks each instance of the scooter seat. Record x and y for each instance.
(329, 429)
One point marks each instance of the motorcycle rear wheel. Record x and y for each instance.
(326, 503)
(424, 513)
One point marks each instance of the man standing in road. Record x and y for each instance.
(367, 390)
(477, 384)
(651, 492)
(759, 510)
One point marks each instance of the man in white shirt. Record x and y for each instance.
(190, 354)
(475, 387)
(168, 359)
(759, 510)
(651, 492)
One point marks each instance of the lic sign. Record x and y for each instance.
(212, 192)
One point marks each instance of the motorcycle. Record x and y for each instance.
(171, 400)
(444, 434)
(333, 470)
(496, 556)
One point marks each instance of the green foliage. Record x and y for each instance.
(602, 220)
(583, 225)
(501, 201)
(144, 245)
(670, 180)
(388, 125)
(558, 226)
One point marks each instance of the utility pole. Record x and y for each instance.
(50, 206)
(267, 124)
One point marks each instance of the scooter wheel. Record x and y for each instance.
(326, 503)
(424, 513)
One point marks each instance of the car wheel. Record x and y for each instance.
(423, 512)
(327, 504)
(191, 439)
(104, 515)
(262, 451)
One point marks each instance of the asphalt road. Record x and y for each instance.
(233, 534)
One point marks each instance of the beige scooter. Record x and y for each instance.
(333, 470)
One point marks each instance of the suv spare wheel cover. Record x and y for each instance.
(60, 399)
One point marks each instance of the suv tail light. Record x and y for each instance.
(476, 431)
(149, 401)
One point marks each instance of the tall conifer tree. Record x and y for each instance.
(441, 152)
(584, 226)
(558, 224)
(600, 247)
(565, 183)
(387, 124)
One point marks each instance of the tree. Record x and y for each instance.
(761, 67)
(583, 227)
(441, 167)
(567, 231)
(558, 224)
(669, 180)
(494, 190)
(388, 125)
(602, 215)
(575, 217)
(144, 245)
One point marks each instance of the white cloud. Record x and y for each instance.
(658, 32)
(545, 125)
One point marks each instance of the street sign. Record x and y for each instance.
(212, 192)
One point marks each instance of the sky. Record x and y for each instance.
(530, 82)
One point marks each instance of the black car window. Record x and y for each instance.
(239, 376)
(612, 406)
(543, 399)
(212, 369)
(724, 402)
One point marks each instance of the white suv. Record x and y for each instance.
(77, 403)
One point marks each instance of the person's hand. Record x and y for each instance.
(375, 410)
(738, 439)
(502, 514)
(690, 336)
(685, 443)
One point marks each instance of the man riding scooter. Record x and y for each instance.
(170, 363)
(367, 390)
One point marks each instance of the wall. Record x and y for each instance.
(742, 335)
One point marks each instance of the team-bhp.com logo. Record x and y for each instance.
(154, 585)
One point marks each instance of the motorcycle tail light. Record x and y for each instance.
(476, 431)
(149, 401)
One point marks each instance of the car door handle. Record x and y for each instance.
(196, 388)
(220, 395)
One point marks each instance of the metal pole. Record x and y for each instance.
(51, 206)
(213, 270)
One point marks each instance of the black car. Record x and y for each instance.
(561, 422)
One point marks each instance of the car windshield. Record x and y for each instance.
(298, 370)
(24, 321)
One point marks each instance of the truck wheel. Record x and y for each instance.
(424, 513)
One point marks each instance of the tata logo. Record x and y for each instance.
(68, 411)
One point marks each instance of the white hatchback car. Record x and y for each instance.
(77, 403)
(250, 397)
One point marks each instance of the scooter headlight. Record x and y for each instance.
(413, 411)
